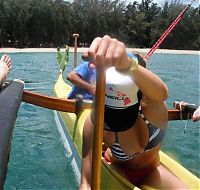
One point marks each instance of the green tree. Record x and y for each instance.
(135, 25)
(16, 14)
(34, 23)
(150, 10)
(62, 18)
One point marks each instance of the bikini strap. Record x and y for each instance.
(140, 109)
(142, 116)
(116, 138)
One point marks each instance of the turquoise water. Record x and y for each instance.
(38, 158)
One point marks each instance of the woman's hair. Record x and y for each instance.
(141, 59)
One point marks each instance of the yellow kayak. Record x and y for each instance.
(70, 126)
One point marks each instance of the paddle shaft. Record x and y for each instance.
(98, 128)
(75, 49)
(166, 33)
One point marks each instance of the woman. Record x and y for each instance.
(134, 128)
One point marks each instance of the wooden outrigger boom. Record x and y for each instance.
(73, 106)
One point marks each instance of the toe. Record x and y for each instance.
(3, 57)
(6, 58)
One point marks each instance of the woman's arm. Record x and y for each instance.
(111, 52)
(150, 84)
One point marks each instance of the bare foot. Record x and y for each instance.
(5, 67)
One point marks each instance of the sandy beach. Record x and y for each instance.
(143, 51)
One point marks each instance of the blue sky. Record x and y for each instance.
(161, 2)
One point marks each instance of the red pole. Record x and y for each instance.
(166, 33)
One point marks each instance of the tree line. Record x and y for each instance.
(51, 23)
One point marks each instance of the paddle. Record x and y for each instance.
(98, 128)
(75, 49)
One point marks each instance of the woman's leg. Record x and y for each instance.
(87, 155)
(161, 178)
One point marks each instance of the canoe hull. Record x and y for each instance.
(72, 127)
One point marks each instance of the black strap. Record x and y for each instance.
(116, 138)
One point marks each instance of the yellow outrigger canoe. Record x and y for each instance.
(70, 126)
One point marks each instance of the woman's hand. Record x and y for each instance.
(109, 51)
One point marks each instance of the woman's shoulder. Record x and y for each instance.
(156, 113)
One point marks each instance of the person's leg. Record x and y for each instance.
(87, 155)
(161, 178)
(5, 67)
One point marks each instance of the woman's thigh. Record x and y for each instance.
(161, 178)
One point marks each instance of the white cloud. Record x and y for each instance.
(162, 2)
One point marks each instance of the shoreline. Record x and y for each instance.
(80, 49)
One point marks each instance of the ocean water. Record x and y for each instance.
(38, 158)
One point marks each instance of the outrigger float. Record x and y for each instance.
(10, 99)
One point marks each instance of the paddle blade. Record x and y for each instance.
(62, 58)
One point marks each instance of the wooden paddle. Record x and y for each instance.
(98, 127)
(75, 49)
